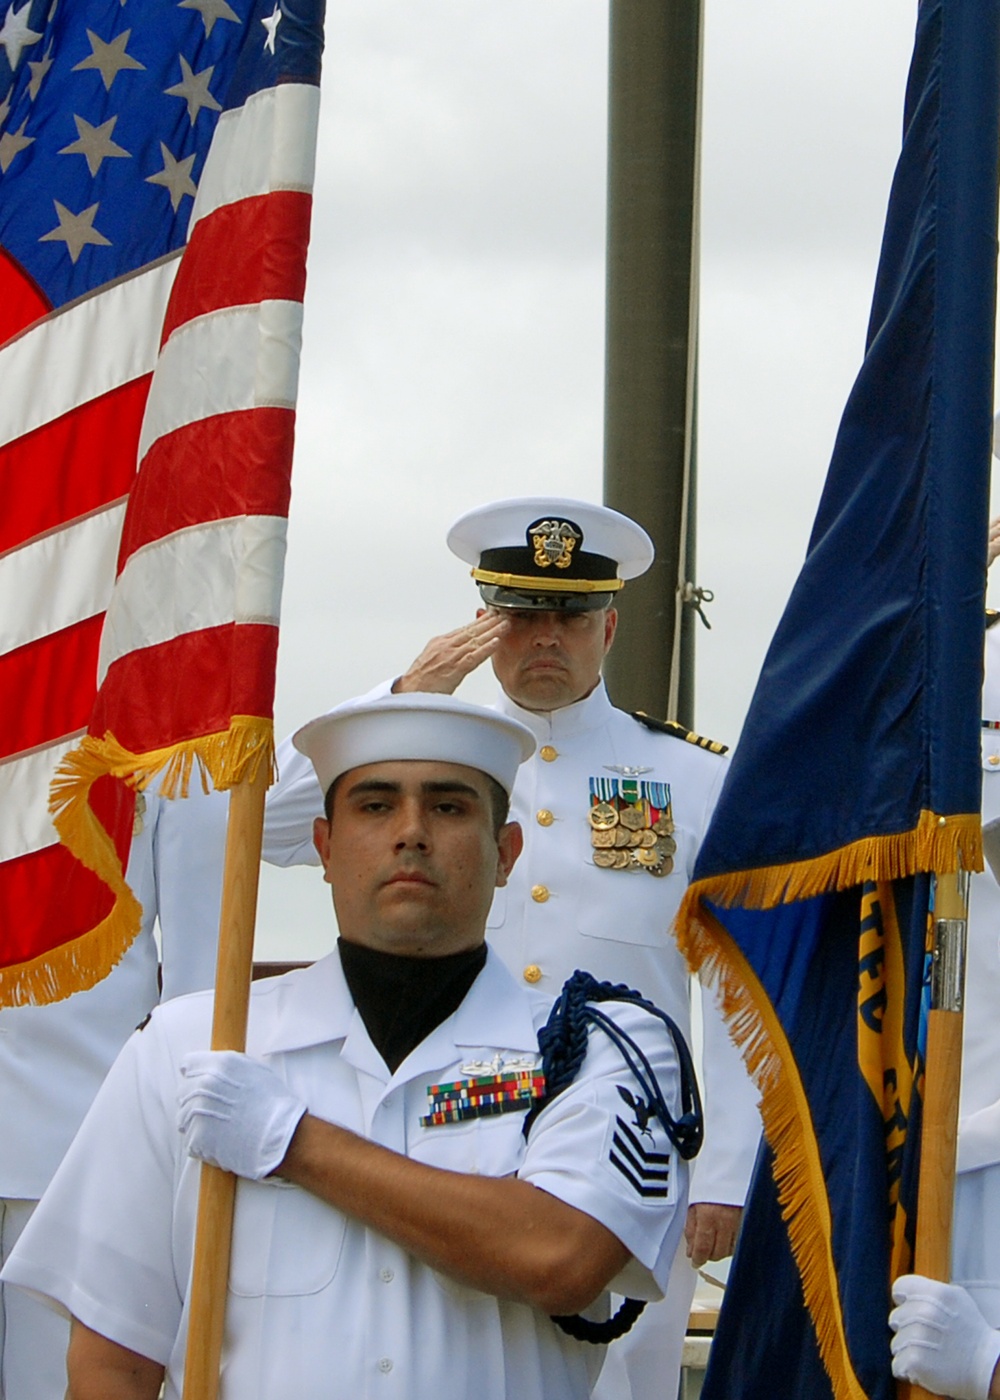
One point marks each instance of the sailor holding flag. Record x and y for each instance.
(613, 808)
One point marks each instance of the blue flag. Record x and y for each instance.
(858, 771)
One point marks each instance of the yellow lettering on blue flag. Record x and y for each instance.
(882, 1058)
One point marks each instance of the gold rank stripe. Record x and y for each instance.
(675, 730)
(534, 583)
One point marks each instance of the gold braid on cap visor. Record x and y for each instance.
(532, 583)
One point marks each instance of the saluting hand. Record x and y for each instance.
(446, 661)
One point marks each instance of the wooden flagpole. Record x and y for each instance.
(942, 1073)
(217, 1192)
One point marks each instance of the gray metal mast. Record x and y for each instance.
(651, 339)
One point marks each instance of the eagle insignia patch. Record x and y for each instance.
(647, 1171)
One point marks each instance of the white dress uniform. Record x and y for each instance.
(54, 1058)
(559, 912)
(321, 1307)
(976, 1232)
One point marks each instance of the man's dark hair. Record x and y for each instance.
(499, 801)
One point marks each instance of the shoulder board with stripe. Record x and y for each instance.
(992, 618)
(677, 731)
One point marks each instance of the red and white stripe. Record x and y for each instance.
(189, 366)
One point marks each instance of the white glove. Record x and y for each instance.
(942, 1340)
(236, 1113)
(993, 536)
(991, 846)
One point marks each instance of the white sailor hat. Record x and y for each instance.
(549, 552)
(414, 726)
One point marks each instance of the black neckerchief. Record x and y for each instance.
(402, 999)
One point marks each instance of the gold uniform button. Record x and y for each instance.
(532, 973)
(539, 893)
(548, 753)
(994, 759)
(544, 817)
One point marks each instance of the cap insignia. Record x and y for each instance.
(554, 542)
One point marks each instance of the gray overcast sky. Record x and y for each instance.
(455, 319)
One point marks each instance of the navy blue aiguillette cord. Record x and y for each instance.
(563, 1044)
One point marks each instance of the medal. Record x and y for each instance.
(631, 823)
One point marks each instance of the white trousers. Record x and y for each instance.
(975, 1248)
(33, 1337)
(645, 1364)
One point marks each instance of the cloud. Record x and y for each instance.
(455, 315)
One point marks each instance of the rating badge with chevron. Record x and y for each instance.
(640, 1149)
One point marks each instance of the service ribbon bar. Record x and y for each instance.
(628, 792)
(482, 1097)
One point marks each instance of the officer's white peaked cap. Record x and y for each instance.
(502, 524)
(437, 728)
(550, 551)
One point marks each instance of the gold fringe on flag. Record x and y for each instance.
(940, 844)
(222, 760)
(937, 844)
(788, 1128)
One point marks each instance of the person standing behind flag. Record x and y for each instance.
(613, 807)
(976, 1226)
(944, 1332)
(53, 1059)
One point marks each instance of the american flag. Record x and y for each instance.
(156, 165)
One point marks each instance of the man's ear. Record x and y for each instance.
(510, 844)
(610, 628)
(321, 840)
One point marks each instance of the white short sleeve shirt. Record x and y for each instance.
(319, 1305)
(559, 911)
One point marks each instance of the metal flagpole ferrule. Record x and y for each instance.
(943, 1069)
(948, 954)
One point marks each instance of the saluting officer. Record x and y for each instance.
(613, 807)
